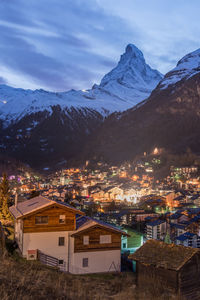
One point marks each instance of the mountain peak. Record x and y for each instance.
(195, 55)
(132, 50)
(131, 74)
(186, 67)
(132, 56)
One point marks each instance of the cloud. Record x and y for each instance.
(3, 80)
(59, 45)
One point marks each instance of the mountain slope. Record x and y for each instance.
(169, 118)
(44, 128)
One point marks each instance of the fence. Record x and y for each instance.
(51, 261)
(55, 262)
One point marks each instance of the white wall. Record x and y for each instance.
(47, 242)
(99, 261)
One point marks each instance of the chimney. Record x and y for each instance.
(16, 198)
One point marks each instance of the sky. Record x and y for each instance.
(59, 45)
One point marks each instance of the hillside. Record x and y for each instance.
(25, 280)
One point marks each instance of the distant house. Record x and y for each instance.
(176, 267)
(156, 230)
(132, 242)
(61, 235)
(188, 239)
(177, 229)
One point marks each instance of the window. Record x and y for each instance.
(62, 219)
(41, 220)
(86, 240)
(85, 262)
(61, 241)
(61, 261)
(105, 239)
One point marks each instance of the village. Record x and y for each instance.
(75, 218)
(128, 197)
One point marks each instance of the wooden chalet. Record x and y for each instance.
(176, 267)
(62, 236)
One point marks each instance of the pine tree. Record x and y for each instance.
(5, 197)
(167, 239)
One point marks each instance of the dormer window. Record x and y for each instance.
(105, 239)
(85, 240)
(62, 219)
(41, 220)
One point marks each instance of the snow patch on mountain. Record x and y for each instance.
(125, 86)
(187, 67)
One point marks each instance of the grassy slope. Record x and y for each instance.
(20, 279)
(26, 280)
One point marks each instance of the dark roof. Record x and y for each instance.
(179, 226)
(149, 218)
(179, 198)
(80, 221)
(154, 200)
(156, 222)
(162, 255)
(195, 197)
(175, 216)
(108, 188)
(194, 210)
(195, 219)
(185, 236)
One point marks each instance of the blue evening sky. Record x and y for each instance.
(62, 44)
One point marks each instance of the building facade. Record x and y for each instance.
(78, 243)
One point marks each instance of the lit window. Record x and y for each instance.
(61, 241)
(62, 219)
(105, 239)
(41, 220)
(85, 262)
(86, 240)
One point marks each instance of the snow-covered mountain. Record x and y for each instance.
(187, 67)
(169, 119)
(126, 85)
(132, 79)
(46, 129)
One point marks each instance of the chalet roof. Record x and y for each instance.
(84, 222)
(34, 204)
(162, 255)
